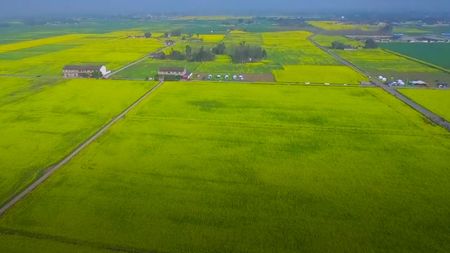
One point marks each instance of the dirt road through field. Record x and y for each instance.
(74, 153)
(135, 62)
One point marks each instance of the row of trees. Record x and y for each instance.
(242, 53)
(368, 44)
(339, 45)
(245, 53)
(190, 54)
(219, 49)
(200, 55)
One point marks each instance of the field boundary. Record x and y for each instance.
(77, 242)
(52, 169)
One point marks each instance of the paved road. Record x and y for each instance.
(74, 153)
(394, 92)
(425, 112)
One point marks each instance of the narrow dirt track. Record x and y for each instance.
(422, 110)
(14, 200)
(135, 62)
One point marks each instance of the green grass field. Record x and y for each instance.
(208, 167)
(434, 53)
(41, 121)
(437, 101)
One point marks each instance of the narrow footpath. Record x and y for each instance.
(135, 62)
(52, 169)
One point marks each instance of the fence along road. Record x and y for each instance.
(52, 169)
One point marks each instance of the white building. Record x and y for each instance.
(84, 71)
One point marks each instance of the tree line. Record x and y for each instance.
(368, 44)
(242, 53)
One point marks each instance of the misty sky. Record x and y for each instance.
(42, 7)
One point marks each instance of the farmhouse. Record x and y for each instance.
(174, 73)
(84, 71)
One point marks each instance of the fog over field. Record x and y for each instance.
(32, 7)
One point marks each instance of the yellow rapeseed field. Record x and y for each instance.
(39, 42)
(113, 51)
(318, 74)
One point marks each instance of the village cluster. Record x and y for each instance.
(164, 73)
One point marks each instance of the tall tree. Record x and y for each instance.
(370, 43)
(246, 53)
(176, 55)
(339, 45)
(219, 49)
(188, 52)
(97, 74)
